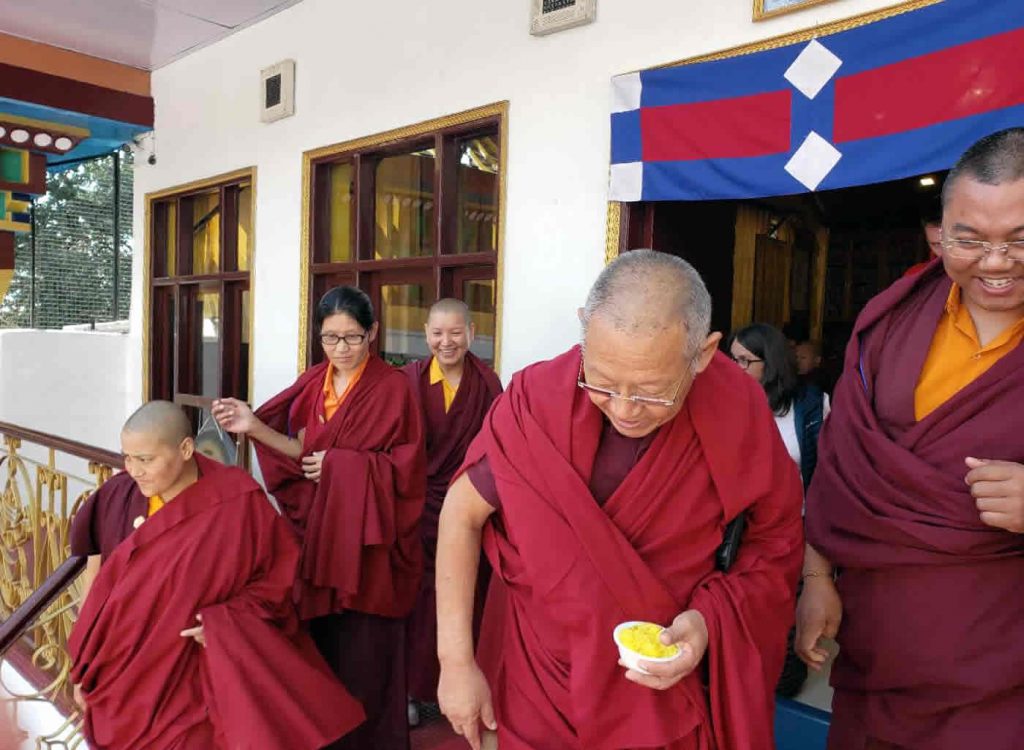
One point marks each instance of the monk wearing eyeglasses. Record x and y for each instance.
(600, 486)
(915, 516)
(342, 452)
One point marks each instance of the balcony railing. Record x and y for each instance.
(44, 480)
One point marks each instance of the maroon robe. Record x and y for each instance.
(218, 550)
(362, 555)
(567, 570)
(448, 436)
(932, 636)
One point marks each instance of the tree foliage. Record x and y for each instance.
(74, 249)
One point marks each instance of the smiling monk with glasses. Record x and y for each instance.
(917, 504)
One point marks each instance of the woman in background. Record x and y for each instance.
(800, 407)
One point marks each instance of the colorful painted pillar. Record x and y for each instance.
(25, 145)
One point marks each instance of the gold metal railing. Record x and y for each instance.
(39, 593)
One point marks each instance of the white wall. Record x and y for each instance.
(67, 383)
(363, 68)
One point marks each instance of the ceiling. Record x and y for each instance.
(144, 34)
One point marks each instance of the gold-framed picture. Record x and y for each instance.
(764, 9)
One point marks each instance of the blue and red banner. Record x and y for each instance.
(891, 99)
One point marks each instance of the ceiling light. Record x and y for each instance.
(927, 181)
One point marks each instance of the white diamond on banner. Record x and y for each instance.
(812, 162)
(626, 182)
(626, 91)
(813, 68)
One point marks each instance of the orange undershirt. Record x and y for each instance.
(956, 357)
(331, 399)
(155, 503)
(436, 376)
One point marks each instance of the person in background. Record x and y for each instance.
(454, 389)
(799, 407)
(808, 356)
(931, 228)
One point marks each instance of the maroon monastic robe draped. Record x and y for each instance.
(448, 436)
(218, 550)
(568, 570)
(932, 637)
(361, 547)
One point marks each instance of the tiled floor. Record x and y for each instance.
(816, 691)
(35, 718)
(436, 735)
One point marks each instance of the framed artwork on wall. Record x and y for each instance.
(770, 8)
(549, 16)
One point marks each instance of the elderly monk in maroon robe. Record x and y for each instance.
(455, 389)
(188, 638)
(601, 482)
(917, 505)
(342, 452)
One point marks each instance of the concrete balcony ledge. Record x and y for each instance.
(75, 384)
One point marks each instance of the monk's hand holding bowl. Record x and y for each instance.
(465, 700)
(312, 465)
(689, 632)
(233, 415)
(998, 490)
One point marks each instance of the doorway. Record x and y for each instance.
(806, 263)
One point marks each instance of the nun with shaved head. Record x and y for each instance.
(454, 389)
(187, 628)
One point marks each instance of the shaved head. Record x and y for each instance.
(644, 291)
(161, 419)
(449, 305)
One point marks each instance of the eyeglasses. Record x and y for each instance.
(642, 400)
(744, 362)
(978, 249)
(351, 339)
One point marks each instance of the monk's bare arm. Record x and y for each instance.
(463, 693)
(236, 416)
(815, 564)
(289, 446)
(92, 569)
(463, 516)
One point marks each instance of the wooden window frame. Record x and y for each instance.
(166, 349)
(319, 273)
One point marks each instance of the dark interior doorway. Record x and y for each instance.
(807, 263)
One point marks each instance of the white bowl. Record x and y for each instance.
(630, 657)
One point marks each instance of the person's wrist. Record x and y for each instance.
(811, 577)
(458, 660)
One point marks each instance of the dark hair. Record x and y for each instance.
(348, 300)
(779, 380)
(995, 159)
